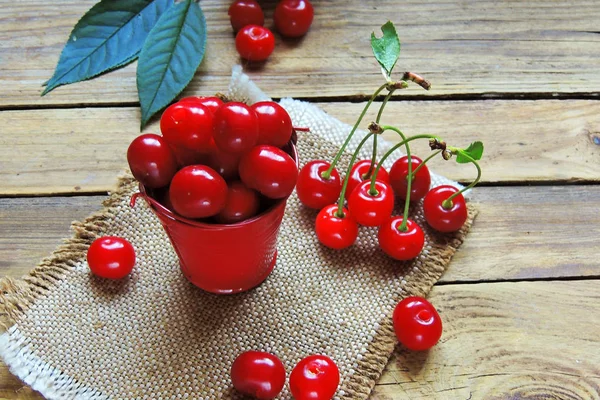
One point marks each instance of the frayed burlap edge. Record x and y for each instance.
(17, 295)
(370, 367)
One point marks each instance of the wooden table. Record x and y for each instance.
(521, 299)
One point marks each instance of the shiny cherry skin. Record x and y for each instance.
(315, 377)
(333, 231)
(188, 125)
(417, 324)
(444, 219)
(235, 128)
(226, 164)
(255, 43)
(111, 257)
(293, 17)
(269, 170)
(360, 173)
(401, 245)
(242, 203)
(258, 374)
(245, 12)
(420, 183)
(368, 209)
(198, 191)
(210, 102)
(313, 190)
(274, 123)
(151, 160)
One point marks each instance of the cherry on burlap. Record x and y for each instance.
(155, 336)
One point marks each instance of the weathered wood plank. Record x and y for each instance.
(531, 233)
(519, 233)
(463, 47)
(500, 341)
(31, 228)
(505, 340)
(83, 150)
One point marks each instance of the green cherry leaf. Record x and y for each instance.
(474, 151)
(386, 48)
(170, 56)
(108, 36)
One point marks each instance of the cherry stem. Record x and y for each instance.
(447, 204)
(339, 213)
(379, 114)
(404, 142)
(327, 174)
(414, 173)
(301, 128)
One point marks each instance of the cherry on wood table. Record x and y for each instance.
(521, 300)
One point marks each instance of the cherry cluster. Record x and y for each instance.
(368, 193)
(253, 41)
(218, 162)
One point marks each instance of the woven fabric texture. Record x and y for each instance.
(154, 335)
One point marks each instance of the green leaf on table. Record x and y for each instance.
(474, 151)
(170, 56)
(386, 48)
(108, 36)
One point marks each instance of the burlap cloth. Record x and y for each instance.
(155, 336)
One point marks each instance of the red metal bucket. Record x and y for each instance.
(223, 258)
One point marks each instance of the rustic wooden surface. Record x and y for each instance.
(520, 301)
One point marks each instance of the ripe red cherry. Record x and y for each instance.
(258, 374)
(274, 123)
(111, 257)
(187, 125)
(401, 245)
(151, 161)
(269, 170)
(242, 203)
(371, 209)
(210, 102)
(444, 219)
(226, 164)
(255, 43)
(360, 173)
(315, 377)
(235, 128)
(293, 17)
(417, 324)
(198, 191)
(420, 183)
(334, 231)
(313, 190)
(245, 12)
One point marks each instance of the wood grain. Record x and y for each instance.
(464, 47)
(83, 150)
(527, 340)
(520, 233)
(31, 228)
